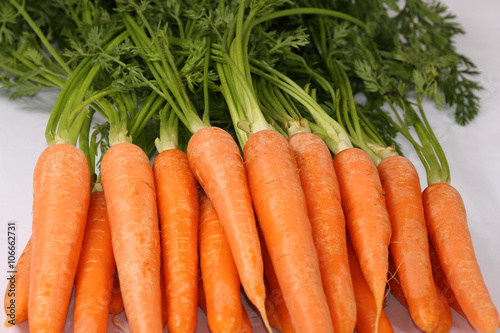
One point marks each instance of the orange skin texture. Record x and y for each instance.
(365, 302)
(96, 268)
(61, 188)
(442, 283)
(324, 207)
(409, 242)
(245, 325)
(22, 288)
(116, 303)
(177, 198)
(271, 310)
(129, 188)
(221, 283)
(285, 320)
(216, 162)
(164, 312)
(449, 233)
(366, 216)
(444, 319)
(282, 214)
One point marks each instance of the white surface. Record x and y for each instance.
(472, 152)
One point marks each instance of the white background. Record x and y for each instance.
(473, 154)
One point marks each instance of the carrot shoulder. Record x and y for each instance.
(128, 182)
(324, 207)
(221, 283)
(177, 197)
(282, 214)
(367, 219)
(447, 226)
(216, 162)
(17, 292)
(409, 242)
(96, 267)
(61, 194)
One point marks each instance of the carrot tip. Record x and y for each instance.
(263, 314)
(118, 325)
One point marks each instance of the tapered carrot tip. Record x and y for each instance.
(447, 226)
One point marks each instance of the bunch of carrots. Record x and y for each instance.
(255, 204)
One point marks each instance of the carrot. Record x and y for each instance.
(447, 226)
(409, 242)
(286, 325)
(445, 318)
(128, 182)
(367, 219)
(324, 207)
(216, 162)
(367, 311)
(96, 267)
(220, 278)
(116, 302)
(202, 300)
(271, 310)
(61, 194)
(282, 214)
(164, 311)
(17, 292)
(177, 197)
(245, 326)
(444, 313)
(442, 283)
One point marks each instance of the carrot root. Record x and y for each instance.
(449, 233)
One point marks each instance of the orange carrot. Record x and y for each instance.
(245, 327)
(271, 310)
(445, 318)
(367, 219)
(61, 188)
(447, 226)
(367, 311)
(282, 214)
(409, 242)
(116, 303)
(202, 301)
(444, 313)
(164, 312)
(216, 162)
(442, 283)
(96, 267)
(17, 292)
(220, 278)
(177, 197)
(128, 182)
(276, 294)
(324, 207)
